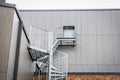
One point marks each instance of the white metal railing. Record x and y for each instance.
(57, 64)
(43, 74)
(60, 62)
(59, 67)
(58, 33)
(38, 37)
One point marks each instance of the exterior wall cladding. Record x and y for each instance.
(97, 35)
(9, 30)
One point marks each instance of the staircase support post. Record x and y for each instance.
(50, 42)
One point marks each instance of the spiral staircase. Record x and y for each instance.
(43, 49)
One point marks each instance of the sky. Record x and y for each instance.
(65, 4)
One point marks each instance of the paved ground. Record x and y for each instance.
(94, 77)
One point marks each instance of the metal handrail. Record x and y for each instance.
(60, 63)
(62, 53)
(40, 28)
(57, 33)
(39, 37)
(56, 29)
(43, 39)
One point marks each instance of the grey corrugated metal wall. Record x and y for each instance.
(97, 34)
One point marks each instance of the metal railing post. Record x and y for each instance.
(50, 42)
(30, 32)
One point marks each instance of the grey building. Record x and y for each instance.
(15, 61)
(97, 32)
(95, 48)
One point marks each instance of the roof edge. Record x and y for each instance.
(7, 5)
(36, 10)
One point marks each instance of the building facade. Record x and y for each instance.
(97, 36)
(15, 61)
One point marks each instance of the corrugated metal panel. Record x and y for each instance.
(104, 22)
(89, 22)
(96, 33)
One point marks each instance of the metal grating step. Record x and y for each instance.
(38, 49)
(43, 59)
(67, 41)
(37, 53)
(41, 65)
(56, 75)
(56, 72)
(54, 68)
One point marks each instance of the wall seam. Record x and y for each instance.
(97, 39)
(81, 37)
(113, 39)
(76, 40)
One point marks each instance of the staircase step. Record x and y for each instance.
(43, 59)
(57, 75)
(38, 49)
(36, 52)
(41, 65)
(56, 72)
(66, 39)
(63, 42)
(60, 78)
(54, 68)
(55, 45)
